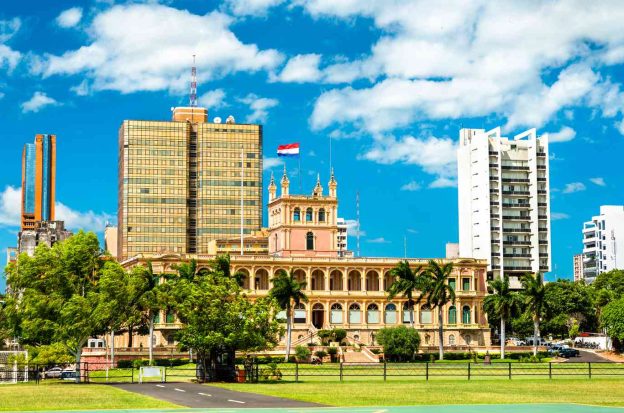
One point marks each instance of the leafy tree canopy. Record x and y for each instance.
(399, 343)
(612, 319)
(574, 301)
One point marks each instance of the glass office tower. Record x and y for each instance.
(38, 181)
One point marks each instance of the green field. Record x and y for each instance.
(69, 396)
(605, 392)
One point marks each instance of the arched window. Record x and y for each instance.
(309, 241)
(452, 340)
(300, 313)
(390, 316)
(372, 314)
(297, 215)
(452, 315)
(425, 314)
(466, 315)
(335, 316)
(321, 215)
(355, 314)
(309, 215)
(170, 317)
(407, 313)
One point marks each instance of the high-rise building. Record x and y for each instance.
(110, 239)
(504, 207)
(43, 232)
(578, 267)
(180, 183)
(603, 242)
(342, 235)
(38, 181)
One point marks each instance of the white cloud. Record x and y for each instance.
(443, 182)
(598, 181)
(69, 18)
(564, 135)
(270, 163)
(379, 240)
(300, 69)
(411, 186)
(213, 99)
(574, 187)
(81, 89)
(9, 58)
(10, 206)
(436, 156)
(556, 216)
(137, 47)
(8, 28)
(259, 106)
(76, 220)
(37, 102)
(251, 7)
(352, 228)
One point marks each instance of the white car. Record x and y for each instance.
(53, 373)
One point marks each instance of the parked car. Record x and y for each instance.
(569, 352)
(68, 374)
(540, 341)
(53, 373)
(515, 342)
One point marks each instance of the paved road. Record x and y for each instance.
(204, 396)
(588, 357)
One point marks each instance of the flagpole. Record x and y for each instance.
(330, 154)
(241, 203)
(300, 186)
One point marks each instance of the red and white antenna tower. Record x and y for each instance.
(193, 96)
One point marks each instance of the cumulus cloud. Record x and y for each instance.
(574, 187)
(37, 102)
(352, 228)
(564, 135)
(598, 181)
(251, 7)
(10, 206)
(411, 186)
(69, 18)
(213, 99)
(259, 106)
(154, 49)
(556, 216)
(81, 89)
(270, 163)
(301, 69)
(9, 58)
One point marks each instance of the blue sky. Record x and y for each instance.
(390, 82)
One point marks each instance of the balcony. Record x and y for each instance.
(541, 167)
(514, 168)
(526, 230)
(541, 154)
(516, 193)
(516, 255)
(543, 242)
(542, 216)
(507, 205)
(542, 204)
(516, 242)
(541, 179)
(543, 254)
(519, 217)
(522, 180)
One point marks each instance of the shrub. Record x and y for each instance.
(311, 344)
(302, 353)
(271, 372)
(324, 335)
(124, 364)
(170, 362)
(320, 354)
(399, 343)
(375, 351)
(139, 363)
(339, 334)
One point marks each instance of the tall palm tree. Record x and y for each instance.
(186, 270)
(287, 290)
(148, 303)
(535, 300)
(437, 292)
(221, 265)
(406, 283)
(502, 303)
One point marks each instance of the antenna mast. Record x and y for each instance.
(357, 208)
(193, 95)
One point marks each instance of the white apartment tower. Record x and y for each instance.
(603, 242)
(578, 267)
(504, 207)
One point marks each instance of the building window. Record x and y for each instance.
(452, 315)
(297, 215)
(390, 316)
(452, 340)
(425, 314)
(309, 215)
(452, 283)
(406, 313)
(157, 317)
(372, 314)
(170, 317)
(309, 241)
(321, 215)
(466, 284)
(300, 313)
(355, 314)
(170, 340)
(466, 315)
(335, 316)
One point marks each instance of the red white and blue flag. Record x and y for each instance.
(291, 149)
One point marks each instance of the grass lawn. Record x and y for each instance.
(69, 396)
(606, 392)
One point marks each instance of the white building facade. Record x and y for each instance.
(603, 242)
(578, 267)
(504, 201)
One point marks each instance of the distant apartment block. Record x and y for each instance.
(578, 267)
(110, 239)
(43, 232)
(38, 181)
(603, 242)
(342, 236)
(504, 210)
(180, 183)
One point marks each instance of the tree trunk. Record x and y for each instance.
(535, 334)
(411, 313)
(288, 333)
(441, 333)
(502, 338)
(130, 330)
(78, 355)
(112, 360)
(151, 340)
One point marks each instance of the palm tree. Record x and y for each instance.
(406, 283)
(287, 290)
(221, 265)
(437, 292)
(186, 270)
(502, 303)
(148, 303)
(535, 300)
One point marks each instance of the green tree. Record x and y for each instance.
(406, 283)
(534, 294)
(65, 294)
(399, 343)
(217, 318)
(437, 292)
(287, 290)
(569, 301)
(503, 304)
(612, 281)
(612, 320)
(522, 326)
